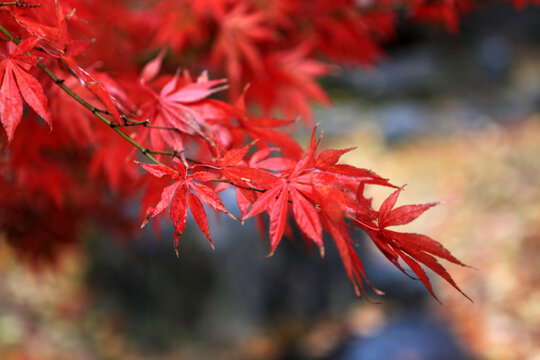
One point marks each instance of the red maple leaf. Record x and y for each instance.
(178, 24)
(303, 186)
(287, 81)
(16, 81)
(412, 248)
(235, 169)
(172, 107)
(173, 110)
(263, 129)
(241, 30)
(186, 191)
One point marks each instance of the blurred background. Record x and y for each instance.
(456, 117)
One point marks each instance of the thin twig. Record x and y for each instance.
(19, 3)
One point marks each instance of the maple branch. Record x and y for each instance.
(130, 122)
(134, 122)
(174, 153)
(146, 123)
(18, 3)
(146, 152)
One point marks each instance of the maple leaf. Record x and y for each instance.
(445, 12)
(412, 248)
(297, 186)
(232, 167)
(49, 25)
(235, 169)
(106, 161)
(172, 110)
(173, 106)
(42, 24)
(16, 81)
(328, 161)
(241, 31)
(263, 129)
(356, 41)
(57, 37)
(312, 191)
(187, 191)
(262, 160)
(288, 83)
(178, 24)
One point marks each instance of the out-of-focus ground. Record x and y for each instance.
(454, 118)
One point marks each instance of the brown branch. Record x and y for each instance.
(19, 3)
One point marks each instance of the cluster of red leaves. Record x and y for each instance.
(74, 61)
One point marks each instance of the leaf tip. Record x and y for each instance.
(378, 292)
(145, 221)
